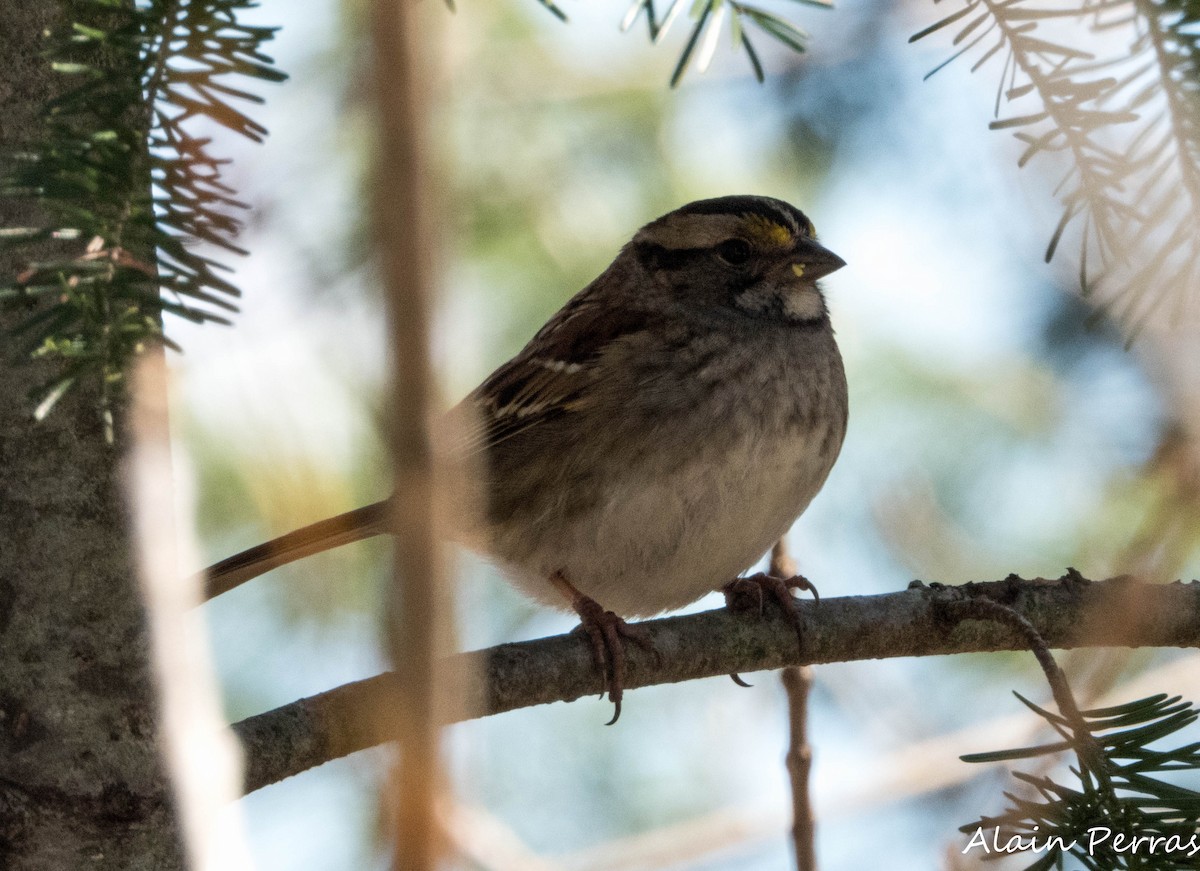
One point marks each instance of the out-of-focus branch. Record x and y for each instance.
(416, 610)
(202, 757)
(1068, 612)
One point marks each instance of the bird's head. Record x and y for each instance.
(757, 256)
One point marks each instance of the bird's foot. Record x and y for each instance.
(608, 633)
(750, 594)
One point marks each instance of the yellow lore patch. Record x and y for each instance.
(765, 232)
(798, 269)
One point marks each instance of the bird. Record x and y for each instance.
(655, 437)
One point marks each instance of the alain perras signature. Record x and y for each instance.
(1097, 838)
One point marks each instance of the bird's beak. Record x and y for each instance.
(812, 261)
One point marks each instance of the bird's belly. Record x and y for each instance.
(661, 541)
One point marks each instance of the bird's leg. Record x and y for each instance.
(749, 594)
(606, 631)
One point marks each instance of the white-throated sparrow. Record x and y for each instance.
(658, 434)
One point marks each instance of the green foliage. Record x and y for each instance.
(128, 193)
(1128, 119)
(709, 16)
(1122, 787)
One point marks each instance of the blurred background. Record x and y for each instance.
(992, 429)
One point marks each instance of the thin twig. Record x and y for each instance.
(798, 681)
(309, 732)
(1093, 762)
(1089, 751)
(986, 609)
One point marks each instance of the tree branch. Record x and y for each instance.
(1069, 612)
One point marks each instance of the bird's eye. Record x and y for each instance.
(735, 252)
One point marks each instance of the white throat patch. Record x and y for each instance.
(791, 301)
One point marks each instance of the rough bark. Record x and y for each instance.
(82, 785)
(1068, 612)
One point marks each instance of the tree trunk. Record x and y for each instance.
(82, 782)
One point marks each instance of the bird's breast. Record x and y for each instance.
(700, 491)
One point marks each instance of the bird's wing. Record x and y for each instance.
(556, 373)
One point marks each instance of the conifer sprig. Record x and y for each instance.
(1120, 102)
(708, 18)
(1123, 790)
(1120, 791)
(129, 194)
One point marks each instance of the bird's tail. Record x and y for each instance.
(365, 522)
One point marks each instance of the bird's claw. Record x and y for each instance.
(608, 633)
(749, 594)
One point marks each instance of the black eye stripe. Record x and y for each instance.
(658, 257)
(654, 256)
(735, 252)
